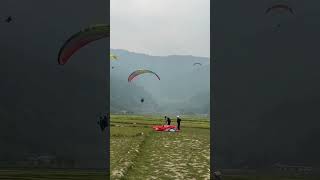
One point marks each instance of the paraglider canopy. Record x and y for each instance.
(80, 39)
(166, 128)
(140, 71)
(197, 64)
(282, 7)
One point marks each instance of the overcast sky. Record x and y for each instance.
(161, 27)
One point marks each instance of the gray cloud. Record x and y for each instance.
(161, 27)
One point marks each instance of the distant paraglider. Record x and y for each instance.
(197, 64)
(142, 100)
(140, 71)
(280, 7)
(80, 39)
(113, 57)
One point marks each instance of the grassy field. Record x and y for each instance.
(45, 174)
(139, 152)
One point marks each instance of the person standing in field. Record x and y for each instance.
(178, 122)
(165, 119)
(168, 121)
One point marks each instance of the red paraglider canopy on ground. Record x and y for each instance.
(165, 128)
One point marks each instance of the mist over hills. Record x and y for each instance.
(183, 88)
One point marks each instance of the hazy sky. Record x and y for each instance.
(161, 27)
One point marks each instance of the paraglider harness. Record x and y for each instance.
(103, 121)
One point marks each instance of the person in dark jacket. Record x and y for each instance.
(168, 121)
(178, 122)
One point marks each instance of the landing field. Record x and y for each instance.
(139, 152)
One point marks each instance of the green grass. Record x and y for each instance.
(139, 152)
(45, 174)
(132, 121)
